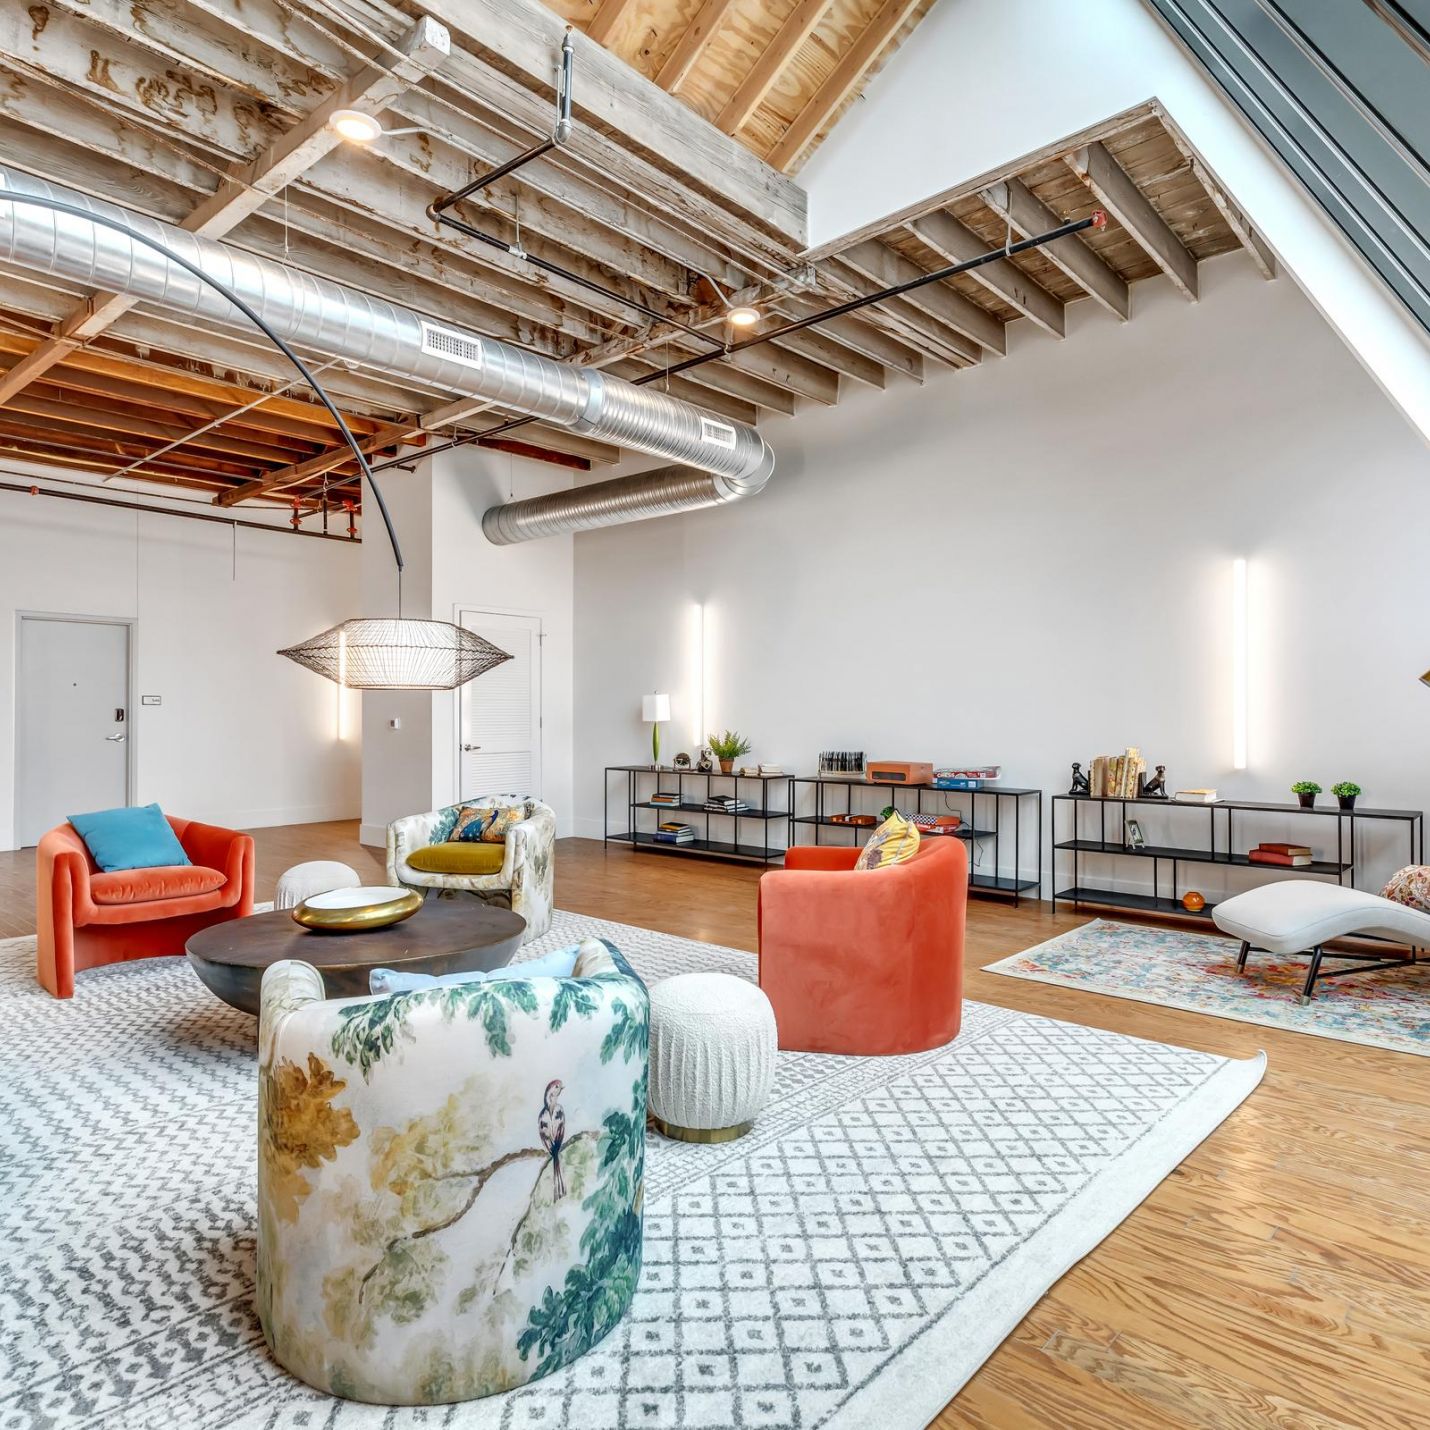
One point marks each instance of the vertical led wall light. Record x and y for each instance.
(342, 684)
(1238, 663)
(697, 675)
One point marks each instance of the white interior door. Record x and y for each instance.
(500, 725)
(72, 745)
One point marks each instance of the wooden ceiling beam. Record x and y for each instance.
(820, 347)
(945, 305)
(117, 417)
(703, 27)
(391, 436)
(781, 367)
(302, 419)
(688, 387)
(901, 319)
(843, 80)
(73, 385)
(945, 235)
(1131, 208)
(1014, 202)
(18, 449)
(240, 192)
(750, 93)
(861, 336)
(118, 451)
(622, 116)
(608, 16)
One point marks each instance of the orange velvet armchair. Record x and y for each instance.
(87, 917)
(868, 961)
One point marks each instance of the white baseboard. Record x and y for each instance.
(373, 834)
(585, 829)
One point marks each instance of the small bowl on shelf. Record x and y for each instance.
(357, 910)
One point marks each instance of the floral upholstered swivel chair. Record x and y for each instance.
(523, 874)
(450, 1181)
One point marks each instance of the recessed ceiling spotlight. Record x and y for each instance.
(355, 126)
(744, 316)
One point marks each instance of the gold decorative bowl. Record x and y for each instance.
(357, 910)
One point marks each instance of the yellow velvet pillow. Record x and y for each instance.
(894, 841)
(467, 857)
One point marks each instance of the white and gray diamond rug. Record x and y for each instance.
(850, 1263)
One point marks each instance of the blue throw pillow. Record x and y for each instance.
(135, 838)
(383, 981)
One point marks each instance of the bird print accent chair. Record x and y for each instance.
(450, 1181)
(524, 875)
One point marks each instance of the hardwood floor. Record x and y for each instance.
(1279, 1277)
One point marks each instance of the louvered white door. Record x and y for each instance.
(500, 726)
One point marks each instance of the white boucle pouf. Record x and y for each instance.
(318, 876)
(712, 1056)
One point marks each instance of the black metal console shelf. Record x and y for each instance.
(1217, 851)
(644, 780)
(985, 814)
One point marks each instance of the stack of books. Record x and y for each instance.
(771, 769)
(1287, 856)
(726, 804)
(673, 832)
(665, 796)
(1117, 776)
(1196, 796)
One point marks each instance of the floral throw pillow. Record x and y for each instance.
(1411, 886)
(895, 840)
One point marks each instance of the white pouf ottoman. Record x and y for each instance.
(712, 1056)
(318, 876)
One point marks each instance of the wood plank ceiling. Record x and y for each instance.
(211, 114)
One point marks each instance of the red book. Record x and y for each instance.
(1272, 848)
(1272, 856)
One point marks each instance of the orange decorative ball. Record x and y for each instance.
(1193, 902)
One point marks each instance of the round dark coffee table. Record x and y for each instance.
(450, 933)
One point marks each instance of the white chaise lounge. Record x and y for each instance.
(1302, 917)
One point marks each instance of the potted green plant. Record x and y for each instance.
(1346, 792)
(728, 748)
(1306, 791)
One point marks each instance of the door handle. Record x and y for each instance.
(116, 739)
(471, 747)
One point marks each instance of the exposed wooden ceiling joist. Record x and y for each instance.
(1134, 211)
(213, 96)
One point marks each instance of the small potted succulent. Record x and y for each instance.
(1346, 793)
(1306, 791)
(728, 748)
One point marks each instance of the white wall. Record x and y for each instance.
(983, 82)
(1029, 562)
(243, 738)
(452, 566)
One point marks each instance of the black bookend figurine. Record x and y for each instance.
(706, 762)
(1156, 787)
(1080, 783)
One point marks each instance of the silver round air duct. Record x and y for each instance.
(731, 460)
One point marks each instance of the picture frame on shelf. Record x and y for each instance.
(1134, 838)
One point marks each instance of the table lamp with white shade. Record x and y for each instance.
(655, 708)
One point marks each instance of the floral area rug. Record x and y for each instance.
(849, 1263)
(1198, 972)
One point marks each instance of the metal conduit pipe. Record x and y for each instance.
(325, 317)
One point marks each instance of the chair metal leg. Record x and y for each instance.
(1241, 957)
(1317, 954)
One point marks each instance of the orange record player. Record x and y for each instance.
(899, 772)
